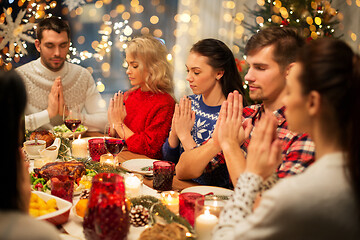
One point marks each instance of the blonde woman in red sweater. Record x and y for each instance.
(142, 116)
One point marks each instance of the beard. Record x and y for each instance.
(51, 66)
(257, 95)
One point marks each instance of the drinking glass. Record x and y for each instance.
(113, 145)
(96, 148)
(163, 175)
(108, 214)
(187, 205)
(62, 186)
(72, 118)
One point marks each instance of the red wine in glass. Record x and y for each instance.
(72, 124)
(114, 145)
(72, 118)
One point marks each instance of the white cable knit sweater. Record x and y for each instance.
(78, 86)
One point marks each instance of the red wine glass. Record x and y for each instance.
(72, 118)
(113, 145)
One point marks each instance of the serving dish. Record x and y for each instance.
(32, 148)
(60, 216)
(66, 133)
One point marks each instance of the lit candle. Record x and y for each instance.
(171, 200)
(204, 224)
(79, 148)
(132, 186)
(108, 159)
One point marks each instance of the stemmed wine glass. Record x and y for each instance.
(72, 118)
(112, 145)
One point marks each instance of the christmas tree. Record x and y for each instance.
(312, 18)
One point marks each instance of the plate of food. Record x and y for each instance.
(47, 207)
(66, 133)
(209, 190)
(139, 165)
(41, 177)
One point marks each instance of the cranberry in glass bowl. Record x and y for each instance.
(108, 215)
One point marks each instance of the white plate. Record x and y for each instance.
(209, 189)
(135, 165)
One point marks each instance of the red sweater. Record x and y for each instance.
(149, 116)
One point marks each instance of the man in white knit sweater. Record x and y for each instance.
(51, 82)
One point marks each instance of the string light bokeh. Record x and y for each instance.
(101, 28)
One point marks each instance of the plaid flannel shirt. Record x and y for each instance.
(298, 149)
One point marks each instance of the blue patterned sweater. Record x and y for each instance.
(216, 173)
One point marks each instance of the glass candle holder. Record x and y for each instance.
(108, 215)
(132, 185)
(187, 205)
(163, 175)
(62, 186)
(96, 148)
(171, 200)
(108, 159)
(207, 213)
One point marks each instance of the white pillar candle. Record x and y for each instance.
(204, 225)
(132, 186)
(79, 148)
(171, 200)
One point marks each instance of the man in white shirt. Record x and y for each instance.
(51, 82)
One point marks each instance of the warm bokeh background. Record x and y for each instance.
(100, 29)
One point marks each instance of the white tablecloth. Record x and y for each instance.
(74, 226)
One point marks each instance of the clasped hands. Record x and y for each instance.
(56, 99)
(182, 122)
(264, 150)
(116, 110)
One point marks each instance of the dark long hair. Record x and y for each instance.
(220, 57)
(331, 68)
(13, 101)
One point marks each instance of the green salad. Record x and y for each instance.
(62, 128)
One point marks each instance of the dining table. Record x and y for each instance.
(73, 228)
(125, 154)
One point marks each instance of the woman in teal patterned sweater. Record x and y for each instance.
(212, 75)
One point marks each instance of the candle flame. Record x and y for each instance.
(207, 211)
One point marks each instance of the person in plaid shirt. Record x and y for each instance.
(270, 53)
(298, 149)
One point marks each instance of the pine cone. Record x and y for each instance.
(139, 216)
(85, 194)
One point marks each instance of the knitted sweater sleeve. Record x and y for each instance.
(157, 126)
(169, 153)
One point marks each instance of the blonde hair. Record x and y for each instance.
(151, 53)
